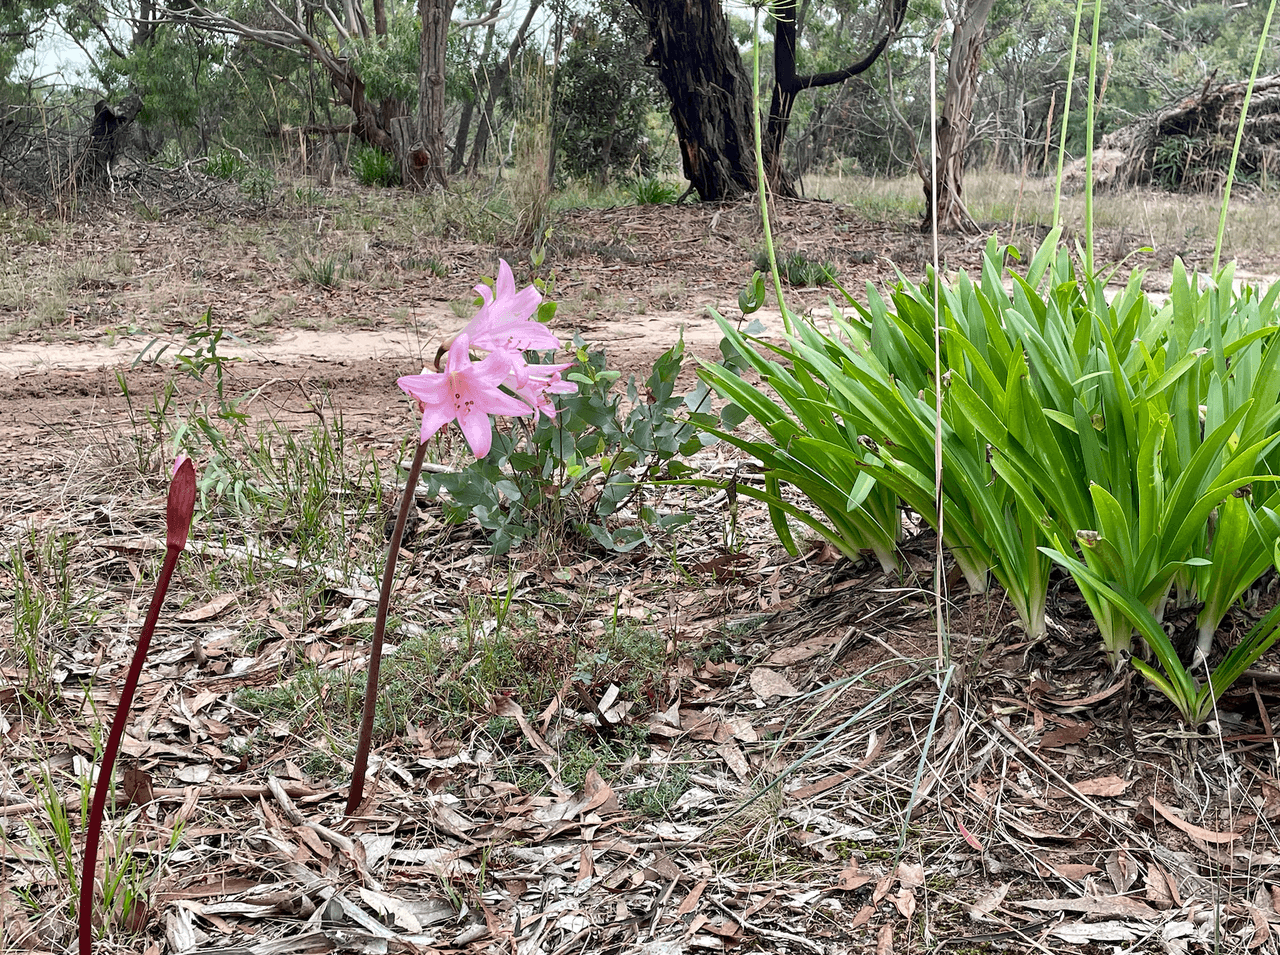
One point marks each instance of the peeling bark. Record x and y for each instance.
(432, 48)
(710, 89)
(955, 121)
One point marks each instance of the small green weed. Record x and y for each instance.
(324, 271)
(582, 751)
(658, 799)
(447, 676)
(308, 196)
(53, 838)
(653, 192)
(429, 677)
(43, 621)
(319, 498)
(373, 167)
(627, 654)
(149, 423)
(798, 270)
(259, 185)
(227, 164)
(428, 263)
(209, 429)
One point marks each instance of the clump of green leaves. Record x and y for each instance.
(653, 192)
(42, 613)
(210, 428)
(591, 462)
(798, 270)
(426, 263)
(227, 164)
(324, 271)
(258, 185)
(1136, 446)
(373, 167)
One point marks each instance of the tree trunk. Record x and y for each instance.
(469, 107)
(464, 133)
(561, 13)
(144, 28)
(710, 90)
(955, 119)
(494, 85)
(432, 48)
(787, 84)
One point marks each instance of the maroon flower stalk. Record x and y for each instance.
(355, 795)
(181, 505)
(465, 391)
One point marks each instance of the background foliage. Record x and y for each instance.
(202, 88)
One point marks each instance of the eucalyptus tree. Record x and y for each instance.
(944, 177)
(20, 24)
(605, 94)
(492, 81)
(700, 65)
(399, 111)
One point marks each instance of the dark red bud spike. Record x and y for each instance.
(181, 505)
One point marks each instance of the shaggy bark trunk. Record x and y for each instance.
(432, 47)
(710, 90)
(955, 120)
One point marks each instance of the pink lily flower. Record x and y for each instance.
(536, 383)
(505, 320)
(467, 392)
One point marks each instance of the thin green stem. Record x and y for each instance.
(940, 579)
(1066, 115)
(1091, 109)
(355, 795)
(1235, 149)
(762, 183)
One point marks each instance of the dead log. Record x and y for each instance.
(1186, 146)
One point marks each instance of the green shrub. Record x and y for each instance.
(536, 478)
(373, 167)
(653, 192)
(226, 164)
(258, 184)
(798, 270)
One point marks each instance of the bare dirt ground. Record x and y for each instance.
(628, 280)
(1039, 804)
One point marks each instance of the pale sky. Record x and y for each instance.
(56, 59)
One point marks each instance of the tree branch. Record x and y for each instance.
(493, 16)
(815, 80)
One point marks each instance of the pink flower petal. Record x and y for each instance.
(506, 319)
(467, 392)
